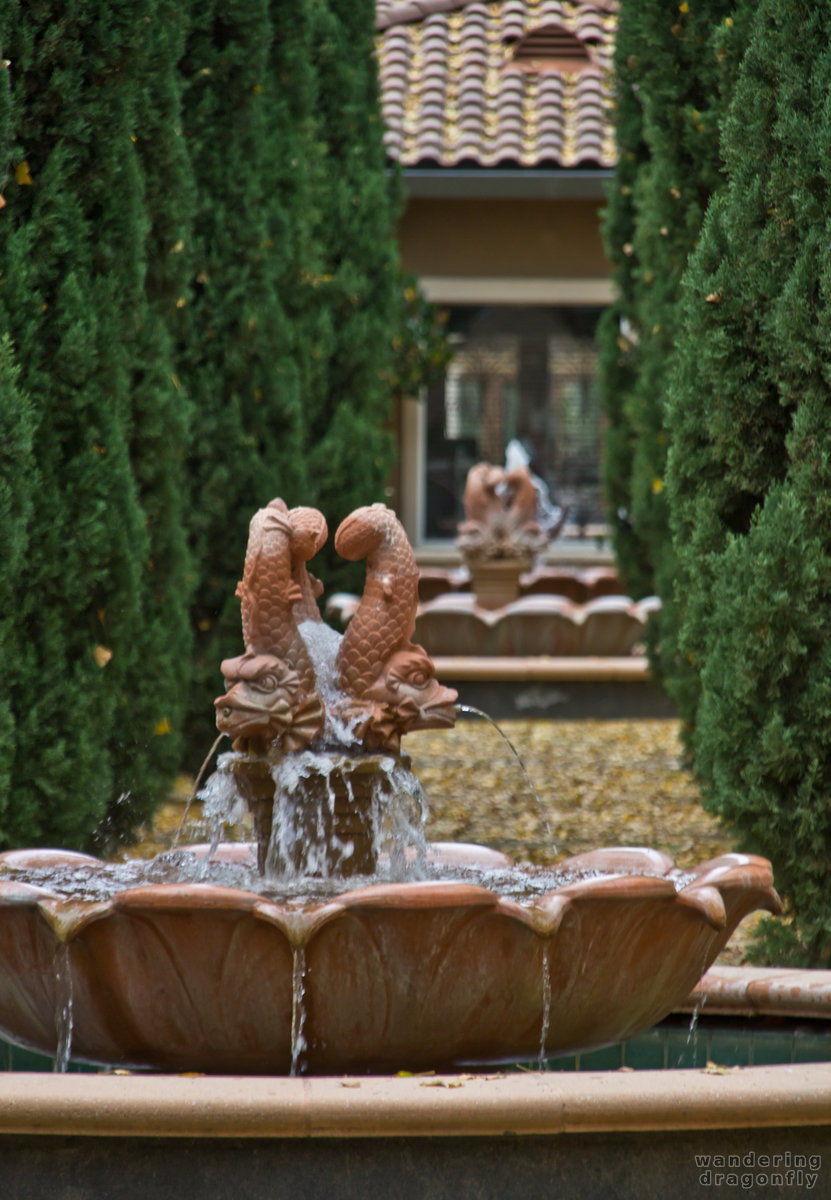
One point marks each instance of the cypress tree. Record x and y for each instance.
(749, 476)
(244, 78)
(152, 744)
(617, 331)
(350, 308)
(17, 485)
(72, 242)
(674, 65)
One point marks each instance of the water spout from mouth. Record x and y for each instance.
(195, 789)
(477, 712)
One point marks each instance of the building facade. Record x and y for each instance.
(500, 115)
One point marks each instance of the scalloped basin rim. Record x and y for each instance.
(195, 977)
(617, 878)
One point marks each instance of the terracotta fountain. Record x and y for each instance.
(504, 602)
(343, 941)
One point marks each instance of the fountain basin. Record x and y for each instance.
(417, 975)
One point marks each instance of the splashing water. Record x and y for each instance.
(195, 789)
(222, 806)
(372, 822)
(399, 817)
(323, 643)
(477, 712)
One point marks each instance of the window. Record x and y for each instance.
(524, 372)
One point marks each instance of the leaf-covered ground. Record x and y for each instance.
(586, 784)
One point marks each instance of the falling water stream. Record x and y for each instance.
(195, 788)
(63, 1007)
(298, 1009)
(477, 712)
(546, 1008)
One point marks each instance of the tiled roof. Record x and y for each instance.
(455, 91)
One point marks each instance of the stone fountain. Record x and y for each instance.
(502, 532)
(504, 603)
(343, 941)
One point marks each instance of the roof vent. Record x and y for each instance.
(550, 48)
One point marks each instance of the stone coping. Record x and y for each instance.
(634, 668)
(414, 1106)
(758, 991)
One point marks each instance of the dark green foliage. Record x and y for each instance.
(296, 300)
(18, 479)
(672, 63)
(246, 113)
(201, 290)
(151, 747)
(350, 307)
(617, 335)
(750, 470)
(420, 346)
(72, 246)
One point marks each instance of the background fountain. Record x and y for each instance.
(515, 606)
(505, 601)
(346, 943)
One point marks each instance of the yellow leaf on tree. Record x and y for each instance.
(657, 486)
(162, 727)
(102, 655)
(22, 174)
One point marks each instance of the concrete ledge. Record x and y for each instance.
(757, 991)
(542, 669)
(422, 1107)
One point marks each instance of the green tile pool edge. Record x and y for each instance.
(673, 1044)
(16, 1058)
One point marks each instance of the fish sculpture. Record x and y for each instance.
(270, 692)
(501, 510)
(389, 685)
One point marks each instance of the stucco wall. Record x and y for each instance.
(494, 237)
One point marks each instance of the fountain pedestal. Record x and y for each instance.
(495, 581)
(328, 824)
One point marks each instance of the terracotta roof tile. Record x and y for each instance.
(451, 90)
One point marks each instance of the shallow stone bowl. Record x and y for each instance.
(199, 977)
